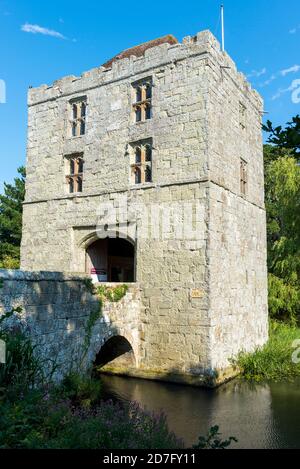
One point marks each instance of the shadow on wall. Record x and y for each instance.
(60, 313)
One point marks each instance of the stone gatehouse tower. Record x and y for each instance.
(161, 125)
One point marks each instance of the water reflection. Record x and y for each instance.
(260, 416)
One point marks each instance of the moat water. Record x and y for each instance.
(258, 415)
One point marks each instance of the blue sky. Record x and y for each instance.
(43, 41)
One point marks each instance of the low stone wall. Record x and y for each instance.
(59, 312)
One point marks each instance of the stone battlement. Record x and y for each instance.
(203, 44)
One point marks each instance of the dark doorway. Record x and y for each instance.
(111, 260)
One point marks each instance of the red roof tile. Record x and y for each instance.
(139, 51)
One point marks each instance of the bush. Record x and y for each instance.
(274, 360)
(45, 422)
(113, 294)
(284, 300)
(81, 390)
(22, 369)
(21, 420)
(213, 440)
(112, 426)
(10, 262)
(71, 415)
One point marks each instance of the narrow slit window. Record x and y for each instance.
(72, 167)
(139, 94)
(138, 155)
(243, 177)
(138, 178)
(242, 115)
(79, 184)
(148, 174)
(71, 186)
(148, 111)
(148, 91)
(74, 107)
(138, 114)
(74, 130)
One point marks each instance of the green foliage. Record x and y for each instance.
(213, 440)
(9, 262)
(42, 421)
(283, 224)
(274, 361)
(284, 300)
(288, 138)
(81, 390)
(104, 293)
(11, 221)
(88, 283)
(71, 415)
(93, 317)
(112, 294)
(21, 420)
(22, 369)
(282, 189)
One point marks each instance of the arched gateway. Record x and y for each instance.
(111, 260)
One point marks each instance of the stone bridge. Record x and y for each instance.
(68, 325)
(74, 331)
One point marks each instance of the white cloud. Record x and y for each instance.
(293, 69)
(295, 29)
(269, 80)
(278, 94)
(36, 29)
(294, 85)
(257, 73)
(296, 91)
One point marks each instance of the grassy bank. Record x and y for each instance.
(275, 360)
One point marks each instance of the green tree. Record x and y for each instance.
(288, 138)
(11, 221)
(282, 189)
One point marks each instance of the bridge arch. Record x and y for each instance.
(117, 350)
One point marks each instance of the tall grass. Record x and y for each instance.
(275, 360)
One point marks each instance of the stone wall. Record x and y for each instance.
(55, 311)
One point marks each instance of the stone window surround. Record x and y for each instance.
(77, 116)
(141, 162)
(142, 99)
(74, 176)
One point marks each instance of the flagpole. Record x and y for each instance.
(223, 29)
